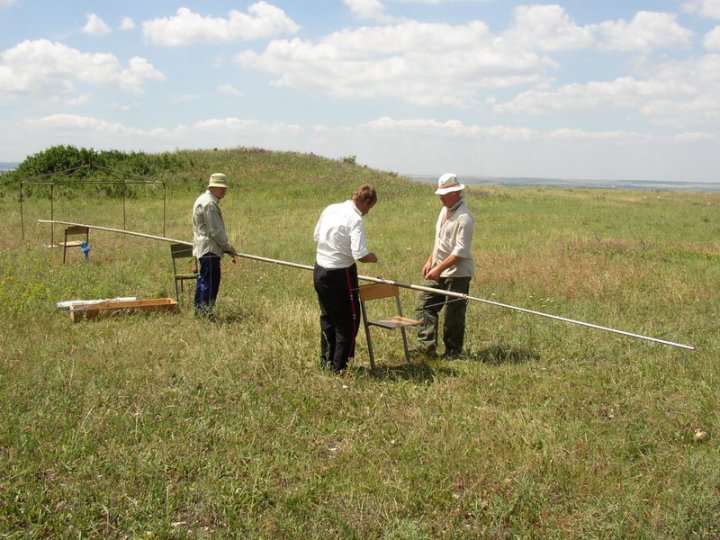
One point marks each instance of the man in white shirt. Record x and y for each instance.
(340, 237)
(449, 267)
(209, 242)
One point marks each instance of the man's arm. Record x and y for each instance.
(216, 229)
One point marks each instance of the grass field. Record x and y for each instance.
(165, 426)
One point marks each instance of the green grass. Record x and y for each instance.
(167, 427)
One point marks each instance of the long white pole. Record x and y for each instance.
(398, 284)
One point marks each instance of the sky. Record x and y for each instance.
(611, 89)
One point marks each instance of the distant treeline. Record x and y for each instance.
(75, 171)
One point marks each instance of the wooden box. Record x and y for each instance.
(92, 311)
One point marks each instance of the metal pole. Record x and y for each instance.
(404, 285)
(110, 229)
(164, 205)
(52, 214)
(22, 218)
(123, 190)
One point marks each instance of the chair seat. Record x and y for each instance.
(72, 243)
(378, 291)
(395, 322)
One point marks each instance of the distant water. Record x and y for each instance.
(8, 166)
(590, 184)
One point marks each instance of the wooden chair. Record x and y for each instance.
(378, 291)
(73, 232)
(182, 251)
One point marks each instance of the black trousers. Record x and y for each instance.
(339, 314)
(208, 283)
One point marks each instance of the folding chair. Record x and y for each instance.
(182, 251)
(378, 291)
(74, 231)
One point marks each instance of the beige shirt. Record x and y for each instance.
(208, 227)
(453, 236)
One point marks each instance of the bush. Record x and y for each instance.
(82, 170)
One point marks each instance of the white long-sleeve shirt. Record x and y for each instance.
(340, 236)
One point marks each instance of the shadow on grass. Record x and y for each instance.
(502, 354)
(416, 372)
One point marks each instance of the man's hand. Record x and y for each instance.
(426, 269)
(433, 274)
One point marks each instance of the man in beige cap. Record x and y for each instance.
(449, 267)
(209, 242)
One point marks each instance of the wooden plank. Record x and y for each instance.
(376, 291)
(92, 311)
(395, 322)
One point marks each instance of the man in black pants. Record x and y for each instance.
(340, 237)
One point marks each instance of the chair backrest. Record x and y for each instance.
(377, 291)
(74, 230)
(180, 251)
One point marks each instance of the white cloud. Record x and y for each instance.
(706, 8)
(430, 146)
(95, 132)
(550, 28)
(44, 67)
(7, 3)
(369, 9)
(646, 31)
(547, 27)
(263, 20)
(127, 23)
(425, 64)
(712, 39)
(433, 64)
(679, 93)
(621, 92)
(95, 26)
(230, 90)
(436, 2)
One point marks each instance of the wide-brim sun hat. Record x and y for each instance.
(218, 180)
(448, 183)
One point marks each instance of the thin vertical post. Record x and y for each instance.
(123, 197)
(164, 205)
(22, 219)
(52, 213)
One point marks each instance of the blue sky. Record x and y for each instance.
(574, 89)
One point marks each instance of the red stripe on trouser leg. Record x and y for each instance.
(352, 310)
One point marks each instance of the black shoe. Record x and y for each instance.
(452, 355)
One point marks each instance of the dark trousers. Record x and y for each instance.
(427, 309)
(208, 283)
(339, 314)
